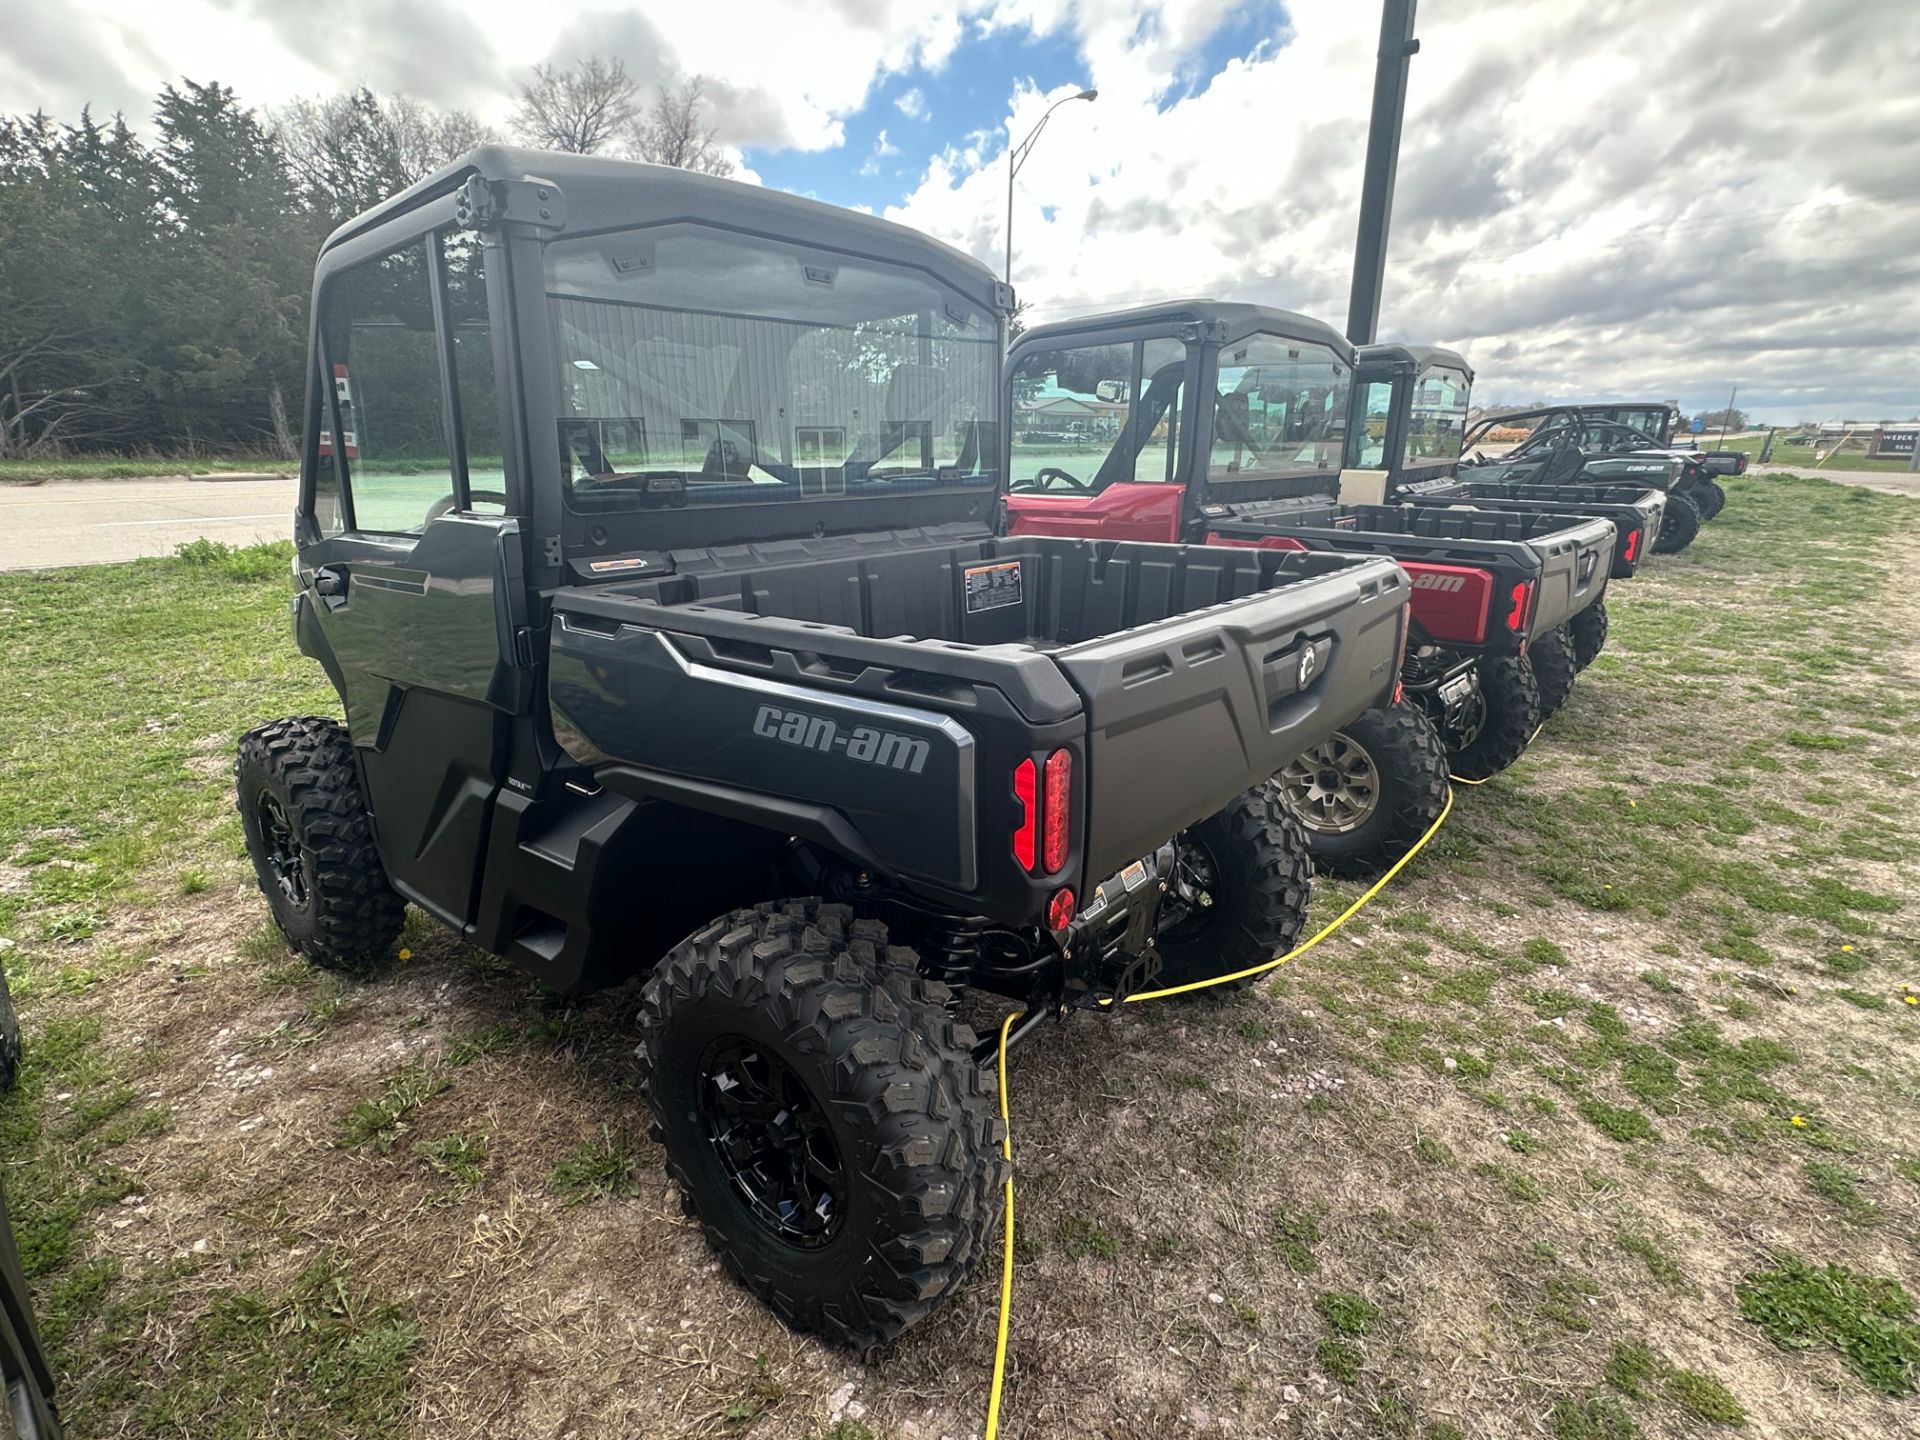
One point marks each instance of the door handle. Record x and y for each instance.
(330, 583)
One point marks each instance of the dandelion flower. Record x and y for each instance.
(1799, 1120)
(405, 954)
(1910, 1000)
(1846, 949)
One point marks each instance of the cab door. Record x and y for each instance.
(410, 561)
(1096, 431)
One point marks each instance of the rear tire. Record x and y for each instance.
(867, 1198)
(1554, 669)
(1239, 898)
(311, 841)
(1681, 524)
(1402, 756)
(1588, 630)
(1510, 697)
(1709, 499)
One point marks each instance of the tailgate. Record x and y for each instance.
(1184, 714)
(1635, 522)
(1575, 564)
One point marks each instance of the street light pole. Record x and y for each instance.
(1017, 156)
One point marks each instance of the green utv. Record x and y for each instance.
(1565, 445)
(648, 531)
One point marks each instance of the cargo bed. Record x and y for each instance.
(1171, 673)
(1636, 513)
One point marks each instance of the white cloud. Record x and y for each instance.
(1671, 201)
(913, 104)
(883, 149)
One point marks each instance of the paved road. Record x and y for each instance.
(80, 522)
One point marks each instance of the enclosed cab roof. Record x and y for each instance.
(1417, 357)
(1231, 320)
(595, 193)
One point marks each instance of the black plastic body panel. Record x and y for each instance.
(1567, 557)
(862, 702)
(1629, 509)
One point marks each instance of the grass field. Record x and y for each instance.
(1802, 455)
(32, 472)
(1604, 1121)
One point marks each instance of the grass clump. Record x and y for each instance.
(1346, 1312)
(1630, 1368)
(1662, 1266)
(1839, 1185)
(1590, 1417)
(383, 1118)
(1867, 1318)
(456, 1157)
(1081, 1236)
(1704, 1396)
(1293, 1235)
(1340, 1360)
(1617, 1122)
(598, 1167)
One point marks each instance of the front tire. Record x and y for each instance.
(1681, 524)
(1509, 715)
(822, 1116)
(1709, 499)
(311, 841)
(1554, 669)
(1588, 631)
(1242, 878)
(1369, 791)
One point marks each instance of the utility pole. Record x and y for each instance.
(1726, 416)
(1397, 49)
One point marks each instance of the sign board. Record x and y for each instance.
(1894, 442)
(1699, 424)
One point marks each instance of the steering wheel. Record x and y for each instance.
(445, 504)
(1072, 484)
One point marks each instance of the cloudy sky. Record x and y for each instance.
(1621, 196)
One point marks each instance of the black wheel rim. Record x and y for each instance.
(284, 860)
(1194, 892)
(772, 1142)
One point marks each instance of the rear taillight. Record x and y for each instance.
(1522, 604)
(1025, 791)
(1056, 814)
(1045, 832)
(1740, 466)
(1633, 545)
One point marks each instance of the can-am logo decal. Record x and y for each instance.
(1445, 584)
(862, 742)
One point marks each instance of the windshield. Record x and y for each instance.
(1437, 417)
(1280, 409)
(702, 367)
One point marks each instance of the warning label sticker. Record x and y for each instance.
(989, 587)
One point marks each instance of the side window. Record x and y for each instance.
(463, 264)
(1437, 415)
(1069, 406)
(1162, 387)
(1369, 446)
(379, 335)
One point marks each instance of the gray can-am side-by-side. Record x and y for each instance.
(1225, 423)
(647, 531)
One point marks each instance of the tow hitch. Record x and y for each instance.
(1112, 937)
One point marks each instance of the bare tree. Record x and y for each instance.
(672, 132)
(354, 150)
(586, 108)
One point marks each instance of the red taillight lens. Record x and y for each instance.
(1633, 545)
(1025, 791)
(1060, 910)
(1740, 466)
(1522, 603)
(1056, 814)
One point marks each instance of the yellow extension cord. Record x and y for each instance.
(1006, 1143)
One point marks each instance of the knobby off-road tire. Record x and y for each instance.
(1554, 668)
(1588, 631)
(1241, 884)
(799, 1007)
(1408, 761)
(9, 1038)
(1510, 697)
(311, 841)
(1681, 524)
(1709, 499)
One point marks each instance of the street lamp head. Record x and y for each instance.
(1088, 95)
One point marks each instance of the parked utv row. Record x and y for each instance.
(716, 608)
